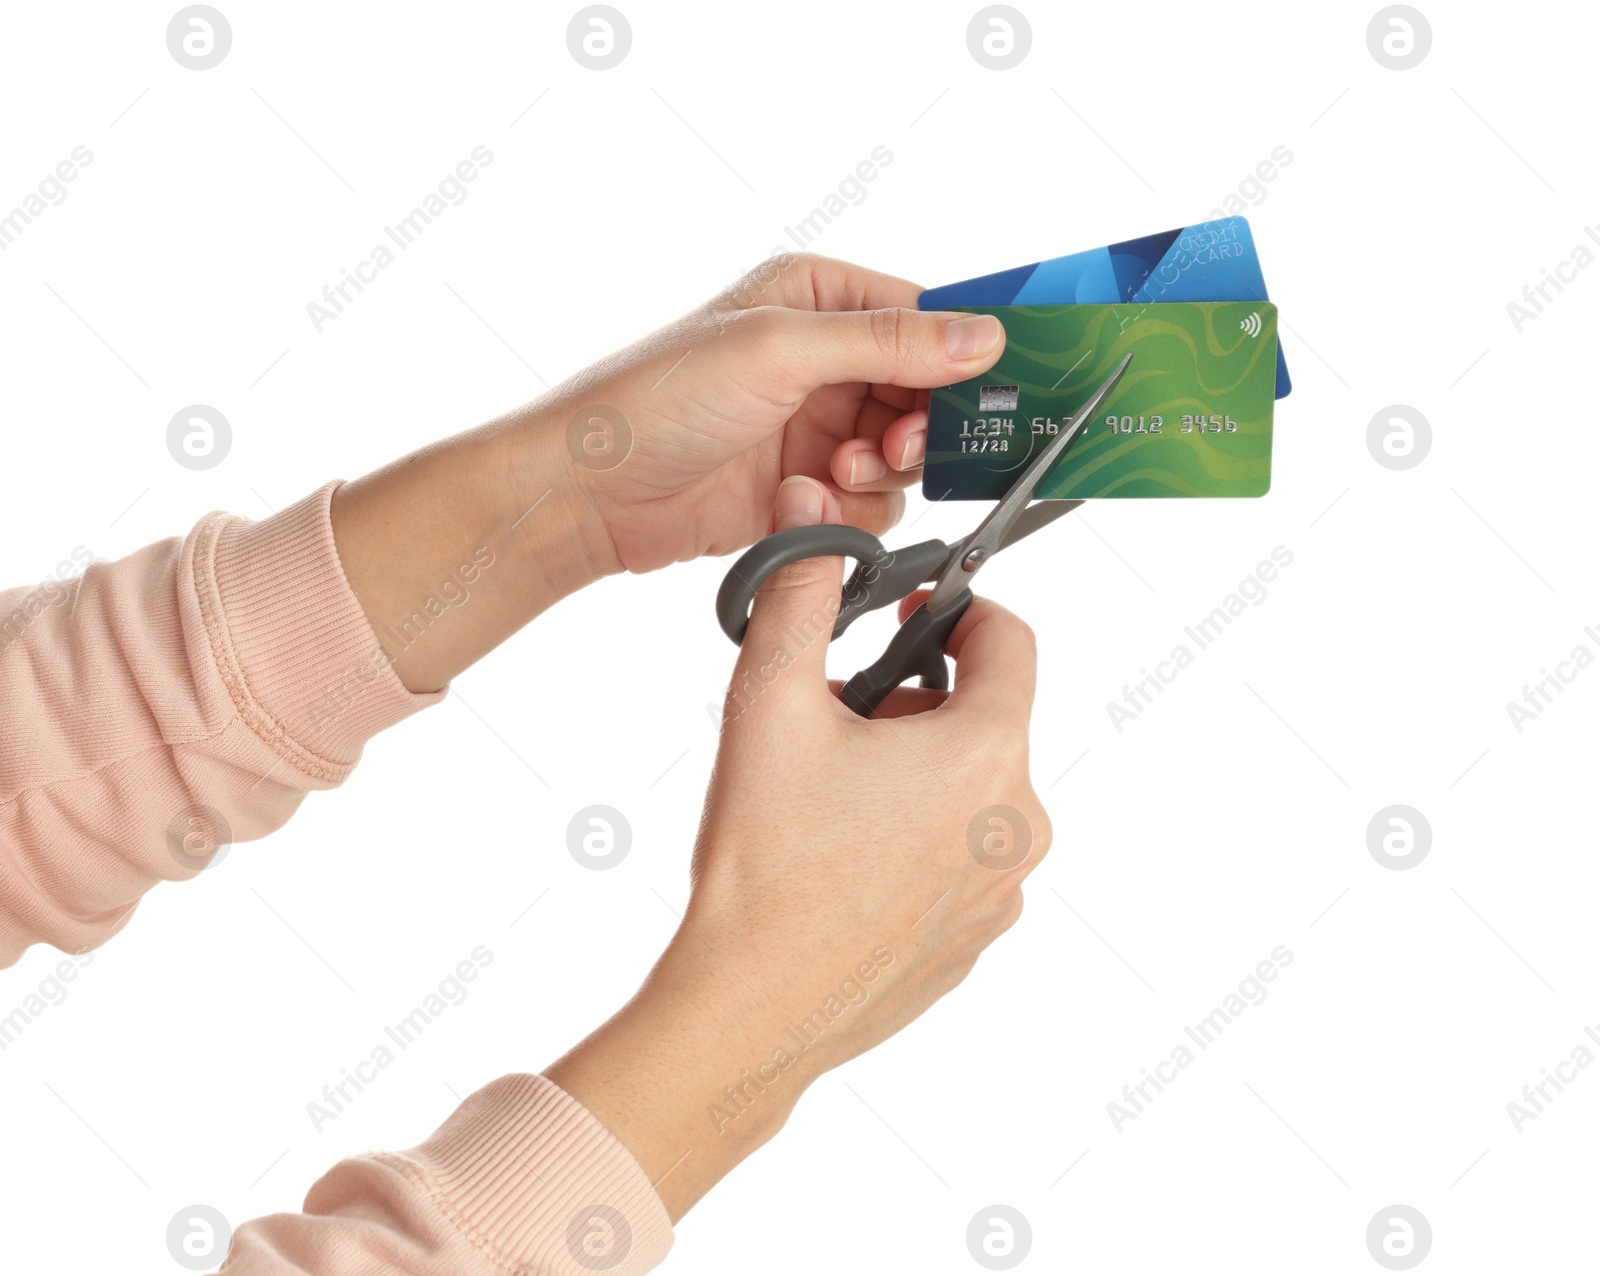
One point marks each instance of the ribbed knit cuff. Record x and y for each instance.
(291, 642)
(534, 1179)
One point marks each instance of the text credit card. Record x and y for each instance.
(1213, 261)
(1191, 417)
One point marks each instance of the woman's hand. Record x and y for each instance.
(807, 367)
(806, 375)
(848, 874)
(831, 843)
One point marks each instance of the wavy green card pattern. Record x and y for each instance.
(1191, 417)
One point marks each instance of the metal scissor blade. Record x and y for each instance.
(994, 533)
(1039, 514)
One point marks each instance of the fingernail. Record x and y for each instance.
(867, 467)
(971, 335)
(799, 503)
(916, 448)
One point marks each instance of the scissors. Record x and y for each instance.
(885, 576)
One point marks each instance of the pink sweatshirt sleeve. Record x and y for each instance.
(189, 695)
(522, 1180)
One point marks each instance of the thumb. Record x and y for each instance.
(897, 346)
(792, 617)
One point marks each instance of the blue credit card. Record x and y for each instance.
(1214, 261)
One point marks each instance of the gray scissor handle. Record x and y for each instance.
(916, 650)
(882, 577)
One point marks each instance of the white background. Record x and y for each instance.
(1229, 818)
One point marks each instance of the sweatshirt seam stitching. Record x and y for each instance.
(111, 764)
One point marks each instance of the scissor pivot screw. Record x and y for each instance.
(974, 560)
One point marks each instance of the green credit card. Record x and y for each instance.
(1192, 415)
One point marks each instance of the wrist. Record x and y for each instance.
(674, 1074)
(553, 517)
(457, 546)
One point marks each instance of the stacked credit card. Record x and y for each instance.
(1192, 416)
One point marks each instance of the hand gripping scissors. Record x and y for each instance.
(885, 576)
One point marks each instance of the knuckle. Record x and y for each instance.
(894, 334)
(1043, 834)
(959, 970)
(808, 262)
(751, 288)
(1011, 630)
(762, 328)
(758, 328)
(1008, 916)
(1025, 640)
(802, 577)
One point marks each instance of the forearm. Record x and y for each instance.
(454, 548)
(683, 1074)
